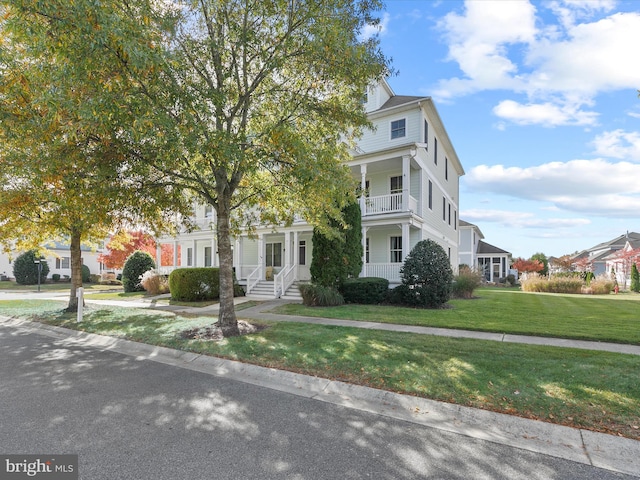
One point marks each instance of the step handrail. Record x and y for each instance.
(283, 280)
(253, 278)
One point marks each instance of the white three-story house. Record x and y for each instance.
(410, 172)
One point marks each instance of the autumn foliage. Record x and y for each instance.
(125, 243)
(522, 265)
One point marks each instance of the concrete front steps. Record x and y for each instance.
(264, 289)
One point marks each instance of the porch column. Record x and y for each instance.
(296, 255)
(287, 249)
(406, 181)
(175, 253)
(194, 260)
(237, 257)
(214, 253)
(261, 250)
(406, 244)
(363, 186)
(364, 251)
(158, 255)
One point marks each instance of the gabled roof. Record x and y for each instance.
(398, 100)
(462, 223)
(484, 247)
(605, 249)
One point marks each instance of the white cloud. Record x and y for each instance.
(596, 187)
(618, 144)
(547, 114)
(560, 67)
(520, 219)
(372, 30)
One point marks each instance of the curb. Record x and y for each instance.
(583, 446)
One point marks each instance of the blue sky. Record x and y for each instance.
(540, 101)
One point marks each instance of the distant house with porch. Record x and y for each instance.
(494, 263)
(614, 254)
(410, 173)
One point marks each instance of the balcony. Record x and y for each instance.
(392, 203)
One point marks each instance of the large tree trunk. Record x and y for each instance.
(76, 271)
(227, 316)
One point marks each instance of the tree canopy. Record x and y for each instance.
(251, 106)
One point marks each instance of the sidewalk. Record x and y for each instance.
(583, 446)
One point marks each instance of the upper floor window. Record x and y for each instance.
(396, 184)
(446, 168)
(426, 133)
(208, 211)
(430, 195)
(398, 128)
(435, 151)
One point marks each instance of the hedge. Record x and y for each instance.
(365, 290)
(198, 283)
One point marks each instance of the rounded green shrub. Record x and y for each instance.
(86, 274)
(134, 267)
(426, 276)
(365, 290)
(25, 268)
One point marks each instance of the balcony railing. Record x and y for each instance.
(391, 203)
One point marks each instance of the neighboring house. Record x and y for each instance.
(493, 262)
(58, 258)
(602, 257)
(410, 172)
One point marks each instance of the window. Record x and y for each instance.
(208, 211)
(455, 220)
(302, 252)
(430, 195)
(398, 128)
(274, 255)
(63, 262)
(207, 257)
(446, 168)
(396, 249)
(435, 151)
(396, 184)
(444, 209)
(426, 134)
(366, 251)
(449, 214)
(189, 256)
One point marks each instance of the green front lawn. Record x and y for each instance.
(53, 286)
(587, 389)
(612, 318)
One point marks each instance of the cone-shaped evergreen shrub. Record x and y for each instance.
(426, 276)
(136, 265)
(25, 270)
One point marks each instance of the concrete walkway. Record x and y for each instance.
(600, 450)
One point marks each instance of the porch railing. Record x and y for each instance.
(253, 278)
(391, 203)
(283, 280)
(390, 271)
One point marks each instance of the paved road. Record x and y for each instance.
(128, 417)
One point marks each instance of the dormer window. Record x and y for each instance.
(398, 128)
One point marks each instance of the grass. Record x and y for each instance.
(587, 389)
(608, 318)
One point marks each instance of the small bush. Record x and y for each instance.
(198, 283)
(55, 277)
(466, 282)
(86, 274)
(511, 279)
(25, 270)
(319, 296)
(154, 282)
(366, 290)
(94, 278)
(135, 266)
